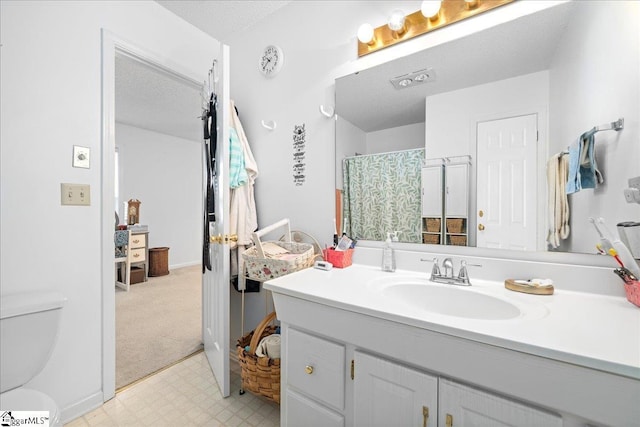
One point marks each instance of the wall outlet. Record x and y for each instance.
(75, 194)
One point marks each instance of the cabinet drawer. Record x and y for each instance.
(138, 240)
(304, 412)
(138, 255)
(316, 367)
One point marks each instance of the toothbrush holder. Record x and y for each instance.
(633, 292)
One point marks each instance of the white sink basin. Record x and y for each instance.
(450, 300)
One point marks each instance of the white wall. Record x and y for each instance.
(396, 139)
(573, 110)
(50, 73)
(165, 173)
(350, 140)
(315, 55)
(451, 120)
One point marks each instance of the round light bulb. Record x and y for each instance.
(365, 33)
(430, 8)
(396, 20)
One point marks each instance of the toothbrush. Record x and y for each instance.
(622, 253)
(614, 254)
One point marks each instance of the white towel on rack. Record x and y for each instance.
(557, 202)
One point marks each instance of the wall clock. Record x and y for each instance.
(271, 60)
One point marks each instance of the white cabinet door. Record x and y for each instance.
(465, 406)
(432, 191)
(457, 191)
(387, 394)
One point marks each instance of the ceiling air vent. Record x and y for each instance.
(414, 79)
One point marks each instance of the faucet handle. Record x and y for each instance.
(463, 274)
(435, 270)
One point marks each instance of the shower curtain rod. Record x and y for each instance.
(380, 154)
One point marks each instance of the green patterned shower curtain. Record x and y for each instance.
(382, 195)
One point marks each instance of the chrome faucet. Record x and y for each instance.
(461, 279)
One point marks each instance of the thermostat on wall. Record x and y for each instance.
(81, 157)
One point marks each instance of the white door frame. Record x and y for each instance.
(112, 45)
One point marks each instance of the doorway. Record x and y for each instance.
(159, 162)
(112, 46)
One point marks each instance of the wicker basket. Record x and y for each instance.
(433, 225)
(259, 266)
(260, 375)
(458, 240)
(454, 225)
(432, 239)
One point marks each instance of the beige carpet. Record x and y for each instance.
(158, 322)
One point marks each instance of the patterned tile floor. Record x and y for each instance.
(184, 394)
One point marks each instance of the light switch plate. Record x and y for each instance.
(81, 157)
(75, 194)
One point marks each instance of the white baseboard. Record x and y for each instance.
(184, 264)
(82, 407)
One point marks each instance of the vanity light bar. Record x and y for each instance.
(414, 79)
(417, 24)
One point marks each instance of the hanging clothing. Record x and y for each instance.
(243, 218)
(557, 202)
(237, 172)
(210, 137)
(590, 176)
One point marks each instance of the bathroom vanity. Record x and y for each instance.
(363, 347)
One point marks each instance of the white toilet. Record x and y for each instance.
(28, 330)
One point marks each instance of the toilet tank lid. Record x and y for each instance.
(29, 302)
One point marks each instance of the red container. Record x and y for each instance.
(633, 292)
(340, 259)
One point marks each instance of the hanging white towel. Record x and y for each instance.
(243, 219)
(557, 202)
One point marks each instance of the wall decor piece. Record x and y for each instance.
(299, 140)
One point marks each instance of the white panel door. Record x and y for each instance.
(215, 283)
(468, 407)
(506, 194)
(387, 394)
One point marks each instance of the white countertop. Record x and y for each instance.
(595, 331)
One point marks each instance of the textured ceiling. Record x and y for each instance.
(148, 99)
(152, 100)
(220, 19)
(369, 101)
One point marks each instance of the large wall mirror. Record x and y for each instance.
(546, 78)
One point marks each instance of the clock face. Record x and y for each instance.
(271, 60)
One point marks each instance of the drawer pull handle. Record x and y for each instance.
(136, 241)
(308, 369)
(136, 255)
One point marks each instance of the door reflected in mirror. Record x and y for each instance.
(508, 98)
